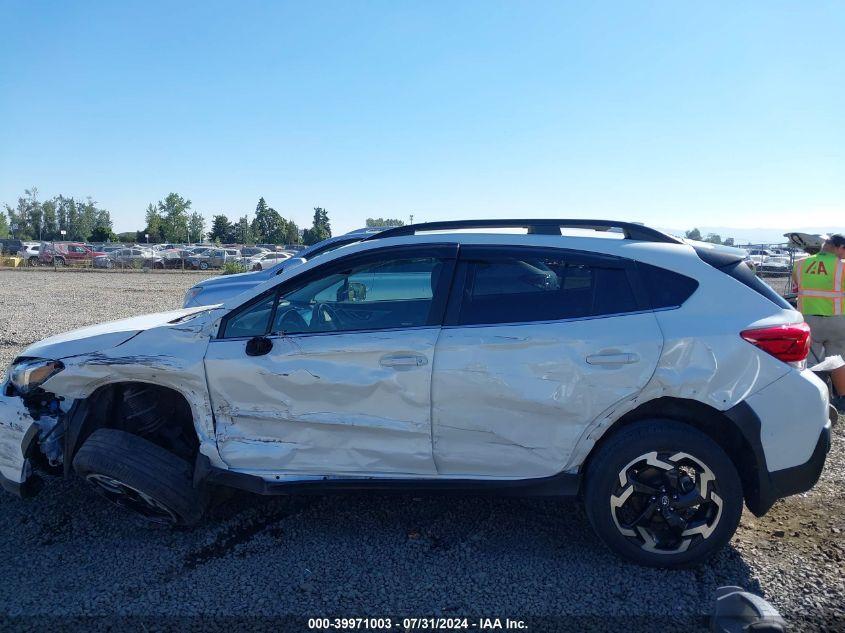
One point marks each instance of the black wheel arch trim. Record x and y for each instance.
(773, 485)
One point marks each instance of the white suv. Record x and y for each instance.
(661, 382)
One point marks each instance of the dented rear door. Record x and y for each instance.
(537, 344)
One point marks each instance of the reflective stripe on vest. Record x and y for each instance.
(820, 285)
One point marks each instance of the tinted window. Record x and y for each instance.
(392, 293)
(541, 288)
(252, 321)
(395, 293)
(665, 288)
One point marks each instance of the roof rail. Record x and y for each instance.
(542, 226)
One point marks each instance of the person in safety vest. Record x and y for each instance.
(819, 281)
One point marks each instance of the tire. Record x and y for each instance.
(136, 474)
(58, 261)
(659, 452)
(203, 265)
(33, 261)
(257, 267)
(109, 264)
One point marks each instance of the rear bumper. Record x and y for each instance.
(791, 481)
(762, 486)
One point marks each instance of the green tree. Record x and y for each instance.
(291, 235)
(320, 228)
(695, 234)
(86, 221)
(267, 222)
(174, 217)
(51, 227)
(34, 214)
(196, 227)
(221, 229)
(241, 232)
(102, 234)
(713, 238)
(4, 225)
(383, 222)
(154, 225)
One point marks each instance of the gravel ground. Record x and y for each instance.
(67, 553)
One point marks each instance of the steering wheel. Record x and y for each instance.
(318, 317)
(291, 321)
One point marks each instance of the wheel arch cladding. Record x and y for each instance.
(736, 431)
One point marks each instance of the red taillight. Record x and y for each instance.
(789, 343)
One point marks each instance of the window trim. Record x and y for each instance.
(444, 251)
(470, 252)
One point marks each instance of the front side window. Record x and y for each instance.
(538, 287)
(389, 293)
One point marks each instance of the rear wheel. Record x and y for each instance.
(58, 261)
(203, 265)
(33, 261)
(663, 494)
(138, 475)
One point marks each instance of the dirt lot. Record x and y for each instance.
(68, 556)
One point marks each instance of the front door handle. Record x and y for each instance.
(405, 361)
(612, 359)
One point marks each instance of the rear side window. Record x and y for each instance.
(523, 288)
(666, 288)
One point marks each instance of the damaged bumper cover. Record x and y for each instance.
(18, 431)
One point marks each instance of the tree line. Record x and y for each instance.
(59, 218)
(170, 220)
(713, 238)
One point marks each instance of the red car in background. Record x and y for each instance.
(66, 253)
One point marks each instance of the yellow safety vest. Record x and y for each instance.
(821, 284)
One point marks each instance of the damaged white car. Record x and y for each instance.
(661, 382)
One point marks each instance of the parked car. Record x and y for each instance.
(10, 246)
(29, 252)
(133, 257)
(66, 253)
(662, 383)
(266, 260)
(767, 261)
(213, 258)
(217, 290)
(252, 251)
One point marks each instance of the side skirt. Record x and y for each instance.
(560, 485)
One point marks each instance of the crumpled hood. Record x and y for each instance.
(103, 336)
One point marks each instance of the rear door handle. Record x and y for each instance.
(405, 361)
(612, 359)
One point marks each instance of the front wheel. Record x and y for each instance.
(136, 474)
(33, 261)
(203, 265)
(663, 494)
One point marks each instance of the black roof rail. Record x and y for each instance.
(542, 226)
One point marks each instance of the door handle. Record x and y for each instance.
(612, 359)
(403, 360)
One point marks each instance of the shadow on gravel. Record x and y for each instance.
(69, 552)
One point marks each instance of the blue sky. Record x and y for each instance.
(672, 113)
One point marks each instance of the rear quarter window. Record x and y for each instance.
(666, 288)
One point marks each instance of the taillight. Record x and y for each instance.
(789, 343)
